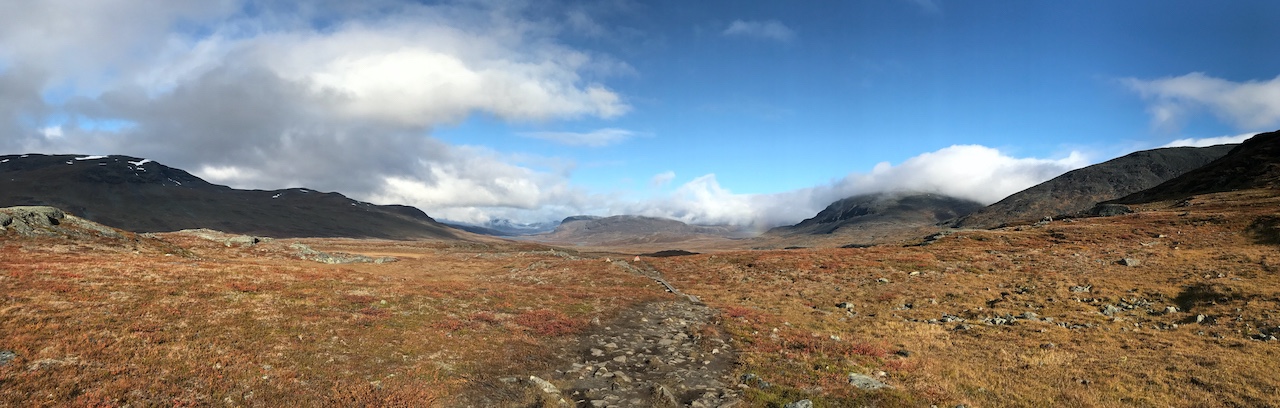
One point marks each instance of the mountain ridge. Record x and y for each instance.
(142, 195)
(1080, 189)
(1255, 163)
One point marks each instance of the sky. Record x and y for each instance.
(750, 113)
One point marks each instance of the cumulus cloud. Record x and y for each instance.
(769, 30)
(973, 172)
(595, 138)
(336, 96)
(1246, 105)
(1210, 141)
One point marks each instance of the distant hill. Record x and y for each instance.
(145, 196)
(875, 218)
(631, 229)
(1078, 190)
(1252, 164)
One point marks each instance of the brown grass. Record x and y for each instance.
(254, 327)
(188, 322)
(1214, 258)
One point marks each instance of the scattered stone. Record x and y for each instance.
(1201, 318)
(865, 382)
(903, 353)
(946, 318)
(1081, 289)
(1110, 310)
(6, 356)
(1170, 310)
(804, 403)
(663, 396)
(1130, 262)
(882, 280)
(549, 389)
(845, 305)
(305, 252)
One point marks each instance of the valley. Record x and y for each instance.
(1173, 305)
(1171, 302)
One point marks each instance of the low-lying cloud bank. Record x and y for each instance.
(973, 172)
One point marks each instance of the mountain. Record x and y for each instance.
(1252, 164)
(145, 196)
(876, 218)
(504, 227)
(631, 229)
(1078, 190)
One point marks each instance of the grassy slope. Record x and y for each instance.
(1201, 258)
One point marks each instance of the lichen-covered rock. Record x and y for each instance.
(33, 221)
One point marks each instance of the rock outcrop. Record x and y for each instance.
(38, 221)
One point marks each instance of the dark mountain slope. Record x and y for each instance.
(1078, 190)
(890, 209)
(1252, 164)
(146, 196)
(871, 219)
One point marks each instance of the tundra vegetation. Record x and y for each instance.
(1174, 304)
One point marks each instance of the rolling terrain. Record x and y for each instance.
(1169, 306)
(1172, 305)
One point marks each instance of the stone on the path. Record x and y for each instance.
(663, 396)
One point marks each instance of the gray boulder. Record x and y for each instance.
(866, 382)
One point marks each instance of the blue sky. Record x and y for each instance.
(750, 113)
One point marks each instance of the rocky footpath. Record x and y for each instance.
(660, 354)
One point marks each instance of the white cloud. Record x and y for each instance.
(51, 132)
(1252, 105)
(662, 179)
(595, 138)
(973, 172)
(770, 29)
(1210, 141)
(267, 99)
